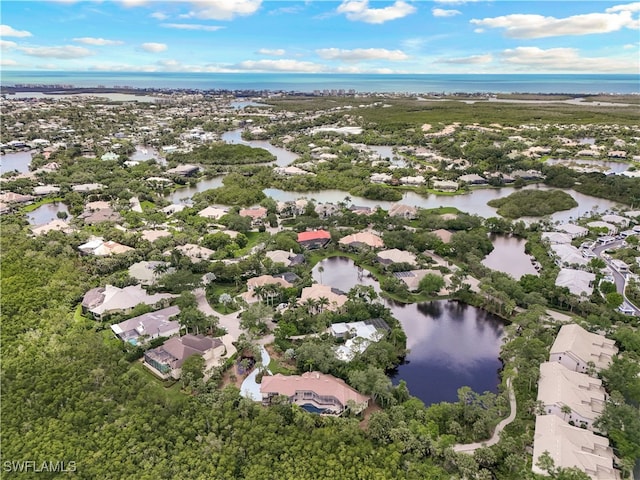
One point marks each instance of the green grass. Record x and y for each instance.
(147, 205)
(254, 239)
(164, 389)
(276, 367)
(39, 203)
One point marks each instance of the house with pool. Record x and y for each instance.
(315, 392)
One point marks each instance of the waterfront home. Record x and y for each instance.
(445, 185)
(573, 230)
(567, 255)
(167, 360)
(324, 297)
(579, 350)
(315, 392)
(143, 328)
(183, 170)
(609, 227)
(472, 179)
(445, 236)
(54, 225)
(213, 213)
(388, 257)
(556, 238)
(404, 211)
(43, 190)
(15, 198)
(107, 300)
(572, 447)
(314, 239)
(358, 336)
(360, 239)
(412, 278)
(285, 258)
(618, 220)
(561, 390)
(578, 282)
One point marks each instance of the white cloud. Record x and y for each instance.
(159, 16)
(223, 9)
(629, 7)
(97, 41)
(472, 60)
(277, 52)
(566, 60)
(7, 62)
(192, 26)
(63, 52)
(281, 65)
(362, 54)
(134, 3)
(7, 45)
(358, 10)
(538, 26)
(630, 46)
(439, 12)
(153, 47)
(7, 31)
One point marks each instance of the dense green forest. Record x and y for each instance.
(533, 203)
(222, 154)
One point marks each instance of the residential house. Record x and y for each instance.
(358, 335)
(87, 187)
(578, 350)
(148, 273)
(15, 198)
(417, 180)
(560, 388)
(43, 190)
(153, 235)
(325, 210)
(556, 238)
(315, 392)
(196, 253)
(445, 236)
(445, 185)
(412, 278)
(472, 179)
(314, 239)
(141, 329)
(98, 247)
(256, 214)
(333, 297)
(54, 225)
(167, 360)
(568, 255)
(404, 211)
(286, 258)
(359, 239)
(618, 220)
(380, 178)
(578, 282)
(214, 213)
(388, 257)
(98, 212)
(184, 170)
(107, 300)
(574, 231)
(572, 447)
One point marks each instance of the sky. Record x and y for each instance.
(321, 36)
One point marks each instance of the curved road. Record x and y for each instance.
(495, 438)
(619, 279)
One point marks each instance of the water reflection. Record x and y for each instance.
(451, 344)
(508, 256)
(283, 157)
(19, 161)
(46, 213)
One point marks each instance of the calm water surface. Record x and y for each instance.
(451, 344)
(46, 213)
(19, 161)
(508, 256)
(283, 157)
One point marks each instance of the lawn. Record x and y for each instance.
(163, 389)
(39, 203)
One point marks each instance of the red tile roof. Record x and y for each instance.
(315, 235)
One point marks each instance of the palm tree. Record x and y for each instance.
(322, 303)
(320, 270)
(259, 291)
(565, 409)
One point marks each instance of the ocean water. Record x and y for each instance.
(300, 82)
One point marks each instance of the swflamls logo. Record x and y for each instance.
(21, 466)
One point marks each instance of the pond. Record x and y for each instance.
(19, 161)
(474, 202)
(46, 213)
(508, 256)
(240, 104)
(142, 154)
(184, 194)
(283, 157)
(451, 344)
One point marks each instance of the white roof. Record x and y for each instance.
(577, 281)
(397, 256)
(571, 446)
(617, 219)
(124, 298)
(573, 229)
(584, 345)
(213, 212)
(556, 237)
(568, 254)
(560, 386)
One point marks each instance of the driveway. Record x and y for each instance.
(230, 321)
(250, 388)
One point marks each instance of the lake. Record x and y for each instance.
(508, 256)
(451, 344)
(19, 161)
(283, 157)
(184, 194)
(46, 213)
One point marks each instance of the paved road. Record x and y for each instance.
(472, 447)
(619, 279)
(250, 388)
(230, 321)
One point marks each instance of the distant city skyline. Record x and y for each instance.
(349, 36)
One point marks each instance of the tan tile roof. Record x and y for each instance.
(584, 345)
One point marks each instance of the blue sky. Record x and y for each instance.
(344, 36)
